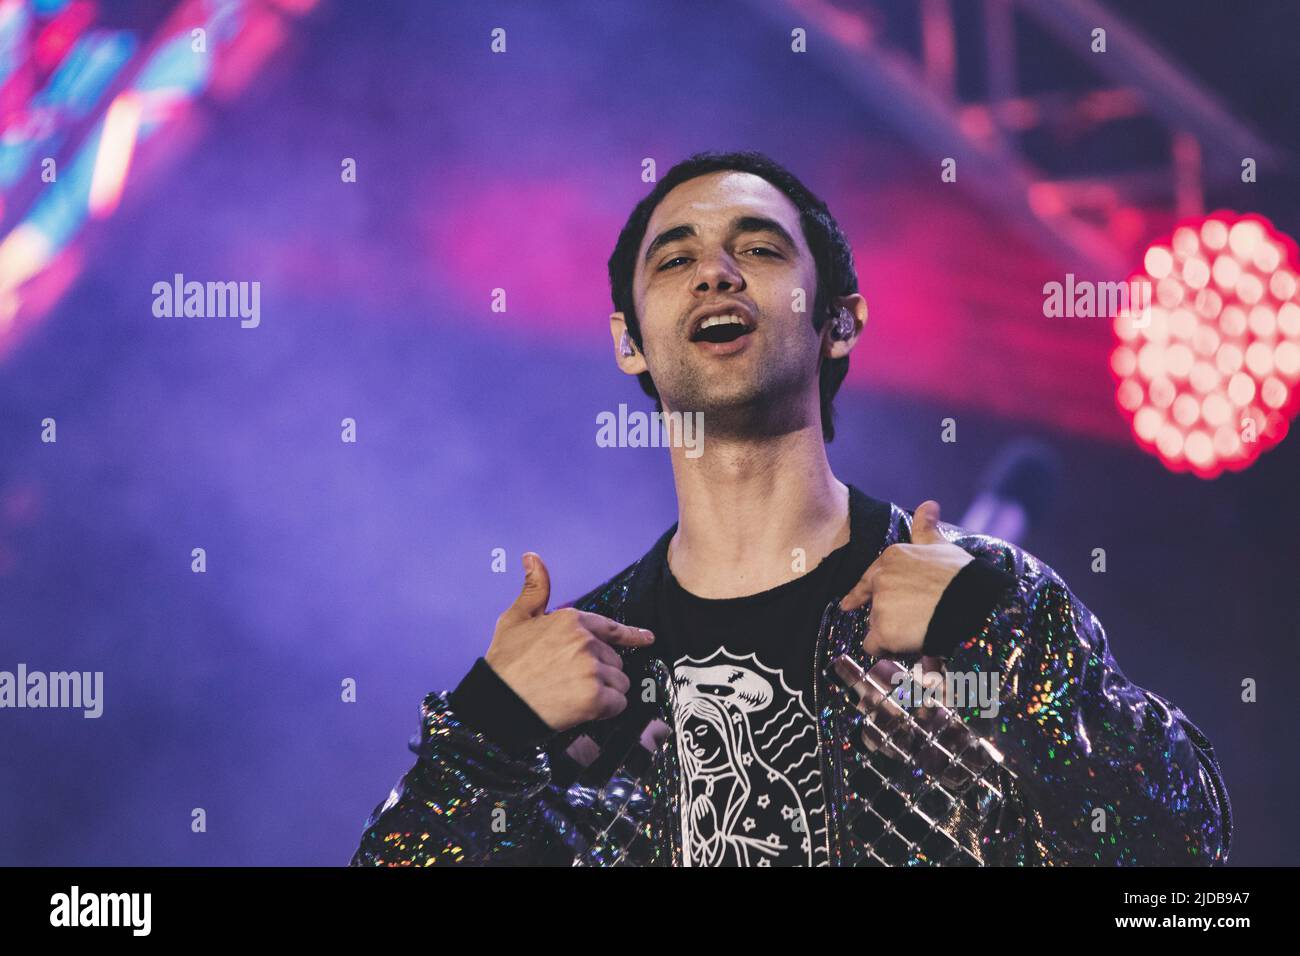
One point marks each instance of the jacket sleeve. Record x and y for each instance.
(476, 792)
(1081, 738)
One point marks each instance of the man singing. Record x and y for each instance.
(687, 711)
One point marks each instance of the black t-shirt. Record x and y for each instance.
(746, 728)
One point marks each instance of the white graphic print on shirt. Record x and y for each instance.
(751, 782)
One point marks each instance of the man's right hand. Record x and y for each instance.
(561, 664)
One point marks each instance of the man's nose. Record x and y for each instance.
(718, 271)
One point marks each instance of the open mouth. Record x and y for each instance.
(719, 329)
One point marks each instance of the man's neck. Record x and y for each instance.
(754, 514)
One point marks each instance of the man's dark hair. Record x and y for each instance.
(831, 254)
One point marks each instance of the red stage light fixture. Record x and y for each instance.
(1208, 371)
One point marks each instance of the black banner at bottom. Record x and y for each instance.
(383, 906)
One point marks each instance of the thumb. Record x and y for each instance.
(925, 524)
(536, 594)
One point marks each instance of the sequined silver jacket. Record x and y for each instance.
(1094, 770)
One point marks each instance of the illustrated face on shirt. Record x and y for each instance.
(710, 694)
(706, 742)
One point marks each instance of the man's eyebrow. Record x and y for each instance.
(667, 236)
(740, 224)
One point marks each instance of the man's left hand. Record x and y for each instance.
(904, 585)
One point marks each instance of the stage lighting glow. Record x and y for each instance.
(1209, 375)
(23, 253)
(116, 142)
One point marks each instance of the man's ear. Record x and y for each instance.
(833, 348)
(631, 364)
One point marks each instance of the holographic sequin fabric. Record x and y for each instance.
(1096, 770)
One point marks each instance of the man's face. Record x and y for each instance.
(730, 242)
